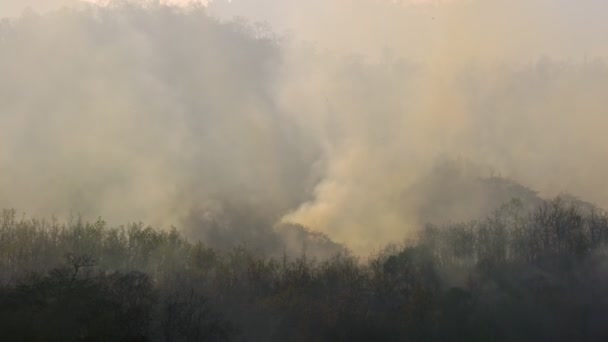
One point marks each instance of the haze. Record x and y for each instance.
(321, 113)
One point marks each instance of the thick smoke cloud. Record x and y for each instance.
(170, 116)
(138, 113)
(513, 85)
(12, 8)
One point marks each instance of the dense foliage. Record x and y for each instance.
(517, 275)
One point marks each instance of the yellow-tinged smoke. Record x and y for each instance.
(170, 116)
(502, 83)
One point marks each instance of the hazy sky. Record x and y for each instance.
(416, 28)
(511, 27)
(11, 8)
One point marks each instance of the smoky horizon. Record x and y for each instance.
(351, 118)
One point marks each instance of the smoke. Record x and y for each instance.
(331, 115)
(12, 8)
(431, 30)
(117, 112)
(514, 85)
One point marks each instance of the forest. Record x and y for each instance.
(516, 275)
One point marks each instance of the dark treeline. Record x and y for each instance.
(518, 275)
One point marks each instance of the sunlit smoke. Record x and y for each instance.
(330, 115)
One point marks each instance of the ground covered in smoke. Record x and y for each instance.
(275, 162)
